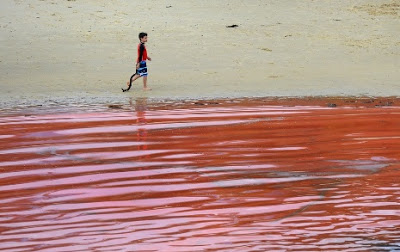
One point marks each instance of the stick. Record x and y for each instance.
(130, 83)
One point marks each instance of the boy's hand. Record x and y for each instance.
(137, 65)
(149, 58)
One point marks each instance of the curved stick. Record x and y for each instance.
(130, 83)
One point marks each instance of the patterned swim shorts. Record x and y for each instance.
(142, 70)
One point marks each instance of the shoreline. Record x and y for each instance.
(151, 103)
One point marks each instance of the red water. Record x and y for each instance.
(205, 177)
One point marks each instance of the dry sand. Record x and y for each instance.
(83, 51)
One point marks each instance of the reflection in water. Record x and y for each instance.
(140, 108)
(206, 178)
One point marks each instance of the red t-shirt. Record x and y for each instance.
(142, 52)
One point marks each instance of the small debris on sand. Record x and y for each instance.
(115, 106)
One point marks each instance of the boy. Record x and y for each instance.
(141, 67)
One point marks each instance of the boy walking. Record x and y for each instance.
(141, 67)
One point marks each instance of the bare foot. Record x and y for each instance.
(146, 89)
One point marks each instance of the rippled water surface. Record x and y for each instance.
(202, 178)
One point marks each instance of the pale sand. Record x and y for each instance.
(84, 51)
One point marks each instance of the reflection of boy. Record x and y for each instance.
(141, 67)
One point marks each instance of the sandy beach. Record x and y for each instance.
(83, 51)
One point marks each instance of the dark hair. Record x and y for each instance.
(142, 35)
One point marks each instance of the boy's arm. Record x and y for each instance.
(140, 56)
(141, 51)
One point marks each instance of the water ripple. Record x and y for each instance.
(211, 178)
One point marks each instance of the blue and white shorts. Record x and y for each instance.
(142, 70)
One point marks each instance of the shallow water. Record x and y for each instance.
(206, 177)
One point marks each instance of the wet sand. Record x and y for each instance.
(228, 175)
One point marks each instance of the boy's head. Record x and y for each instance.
(143, 37)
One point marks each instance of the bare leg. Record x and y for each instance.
(145, 83)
